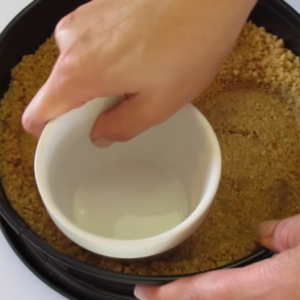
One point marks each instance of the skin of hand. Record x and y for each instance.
(160, 54)
(276, 278)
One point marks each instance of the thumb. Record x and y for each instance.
(60, 94)
(134, 115)
(279, 236)
(274, 278)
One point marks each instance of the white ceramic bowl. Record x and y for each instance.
(131, 200)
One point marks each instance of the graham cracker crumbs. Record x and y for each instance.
(253, 105)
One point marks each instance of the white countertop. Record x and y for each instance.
(16, 281)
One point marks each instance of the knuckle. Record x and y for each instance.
(192, 293)
(60, 28)
(63, 29)
(264, 273)
(284, 236)
(65, 22)
(70, 62)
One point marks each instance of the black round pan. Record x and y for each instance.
(73, 278)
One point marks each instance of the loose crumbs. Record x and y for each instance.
(253, 105)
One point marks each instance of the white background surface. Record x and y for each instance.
(16, 281)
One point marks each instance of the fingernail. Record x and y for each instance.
(102, 143)
(266, 229)
(139, 293)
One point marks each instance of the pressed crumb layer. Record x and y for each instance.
(253, 105)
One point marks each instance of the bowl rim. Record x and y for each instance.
(128, 249)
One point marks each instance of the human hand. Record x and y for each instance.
(161, 53)
(276, 278)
